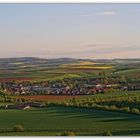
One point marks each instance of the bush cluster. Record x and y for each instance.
(108, 133)
(18, 128)
(68, 133)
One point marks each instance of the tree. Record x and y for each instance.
(123, 79)
(108, 133)
(2, 86)
(18, 128)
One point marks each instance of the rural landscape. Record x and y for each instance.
(69, 69)
(69, 97)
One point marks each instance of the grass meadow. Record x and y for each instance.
(55, 120)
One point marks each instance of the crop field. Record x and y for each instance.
(91, 114)
(16, 79)
(51, 74)
(49, 97)
(116, 94)
(94, 67)
(20, 72)
(55, 120)
(88, 67)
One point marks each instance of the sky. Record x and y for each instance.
(94, 31)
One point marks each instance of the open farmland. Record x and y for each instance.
(42, 69)
(48, 74)
(70, 69)
(16, 79)
(71, 98)
(48, 97)
(117, 94)
(55, 120)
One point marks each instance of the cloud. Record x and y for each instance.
(107, 13)
(85, 15)
(96, 45)
(101, 13)
(93, 45)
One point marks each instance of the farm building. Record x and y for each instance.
(23, 106)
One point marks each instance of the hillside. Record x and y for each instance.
(31, 62)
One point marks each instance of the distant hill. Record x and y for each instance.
(24, 62)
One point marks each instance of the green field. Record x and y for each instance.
(59, 72)
(55, 120)
(51, 74)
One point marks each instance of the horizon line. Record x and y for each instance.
(68, 58)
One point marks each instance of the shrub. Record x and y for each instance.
(18, 128)
(135, 110)
(108, 133)
(77, 104)
(96, 106)
(113, 107)
(68, 133)
(102, 107)
(66, 104)
(86, 105)
(126, 109)
(93, 105)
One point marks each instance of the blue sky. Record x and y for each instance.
(70, 30)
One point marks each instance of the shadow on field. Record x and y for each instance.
(117, 133)
(127, 133)
(104, 116)
(121, 119)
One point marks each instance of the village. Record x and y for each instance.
(65, 87)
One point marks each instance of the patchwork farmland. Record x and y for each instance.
(79, 96)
